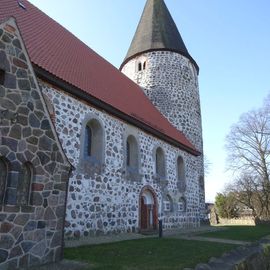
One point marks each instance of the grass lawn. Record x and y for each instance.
(147, 254)
(244, 233)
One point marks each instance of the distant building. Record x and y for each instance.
(82, 141)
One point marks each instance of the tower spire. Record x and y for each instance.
(157, 31)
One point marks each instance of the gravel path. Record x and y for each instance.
(217, 240)
(132, 236)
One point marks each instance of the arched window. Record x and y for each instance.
(93, 141)
(181, 183)
(88, 141)
(139, 66)
(160, 162)
(24, 184)
(144, 65)
(132, 155)
(181, 205)
(168, 204)
(128, 153)
(3, 178)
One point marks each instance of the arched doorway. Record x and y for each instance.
(148, 210)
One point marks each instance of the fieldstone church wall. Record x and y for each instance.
(34, 172)
(170, 81)
(105, 199)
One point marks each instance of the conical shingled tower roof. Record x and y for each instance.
(157, 31)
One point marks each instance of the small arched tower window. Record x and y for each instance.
(144, 65)
(3, 179)
(139, 66)
(168, 204)
(181, 205)
(24, 184)
(181, 183)
(132, 155)
(160, 162)
(93, 141)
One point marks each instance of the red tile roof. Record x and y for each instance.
(55, 50)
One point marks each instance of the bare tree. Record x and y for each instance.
(248, 146)
(245, 192)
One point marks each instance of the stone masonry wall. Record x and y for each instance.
(255, 256)
(30, 233)
(170, 81)
(106, 200)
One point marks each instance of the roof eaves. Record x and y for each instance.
(162, 49)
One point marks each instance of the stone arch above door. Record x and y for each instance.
(148, 210)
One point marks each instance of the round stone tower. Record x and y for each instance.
(160, 63)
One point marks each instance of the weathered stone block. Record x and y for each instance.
(4, 63)
(34, 121)
(22, 219)
(10, 81)
(6, 227)
(41, 225)
(31, 225)
(40, 248)
(24, 84)
(27, 245)
(10, 143)
(15, 252)
(49, 214)
(3, 255)
(19, 63)
(37, 199)
(21, 73)
(15, 132)
(56, 240)
(6, 241)
(17, 43)
(44, 159)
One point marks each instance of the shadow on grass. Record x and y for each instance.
(147, 254)
(243, 233)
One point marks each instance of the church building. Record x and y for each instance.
(87, 149)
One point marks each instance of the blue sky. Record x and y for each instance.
(230, 41)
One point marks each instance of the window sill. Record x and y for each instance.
(132, 174)
(181, 187)
(160, 179)
(91, 166)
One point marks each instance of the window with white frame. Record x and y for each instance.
(181, 205)
(168, 204)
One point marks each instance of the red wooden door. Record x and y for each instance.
(144, 215)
